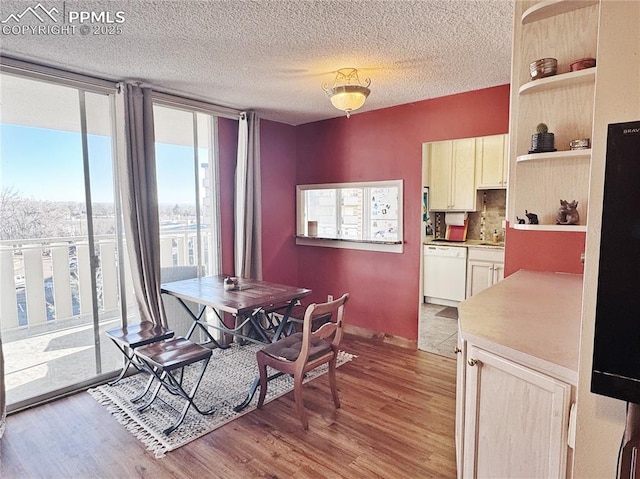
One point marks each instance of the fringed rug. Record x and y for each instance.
(225, 384)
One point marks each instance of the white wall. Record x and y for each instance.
(600, 419)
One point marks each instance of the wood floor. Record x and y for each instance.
(396, 421)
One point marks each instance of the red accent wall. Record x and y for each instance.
(228, 155)
(385, 144)
(543, 251)
(278, 171)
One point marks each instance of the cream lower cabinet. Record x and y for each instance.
(485, 267)
(461, 353)
(515, 420)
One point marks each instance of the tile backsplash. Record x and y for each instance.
(493, 212)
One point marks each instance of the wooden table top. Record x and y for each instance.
(249, 295)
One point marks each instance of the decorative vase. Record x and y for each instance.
(542, 141)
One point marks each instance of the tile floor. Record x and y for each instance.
(437, 334)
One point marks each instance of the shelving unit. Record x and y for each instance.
(556, 155)
(566, 30)
(570, 228)
(558, 81)
(551, 8)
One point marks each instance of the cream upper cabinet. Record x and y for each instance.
(451, 175)
(463, 184)
(438, 156)
(491, 162)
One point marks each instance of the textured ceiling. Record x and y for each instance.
(272, 56)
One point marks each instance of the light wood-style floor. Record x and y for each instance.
(396, 421)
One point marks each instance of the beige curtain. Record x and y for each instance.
(3, 393)
(137, 171)
(248, 217)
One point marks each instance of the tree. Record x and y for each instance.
(25, 218)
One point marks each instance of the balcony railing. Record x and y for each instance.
(48, 279)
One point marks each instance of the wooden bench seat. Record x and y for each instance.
(166, 357)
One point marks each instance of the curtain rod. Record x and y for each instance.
(47, 73)
(50, 74)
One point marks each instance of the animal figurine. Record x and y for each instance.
(568, 213)
(520, 220)
(533, 218)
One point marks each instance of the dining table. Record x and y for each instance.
(249, 304)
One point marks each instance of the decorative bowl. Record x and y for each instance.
(582, 64)
(544, 67)
(581, 144)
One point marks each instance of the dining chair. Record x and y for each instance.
(303, 351)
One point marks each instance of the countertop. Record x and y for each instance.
(530, 317)
(467, 243)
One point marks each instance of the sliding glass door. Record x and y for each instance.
(60, 238)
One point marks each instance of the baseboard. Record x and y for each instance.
(376, 336)
(441, 302)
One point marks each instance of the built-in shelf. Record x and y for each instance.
(551, 8)
(556, 155)
(588, 75)
(571, 228)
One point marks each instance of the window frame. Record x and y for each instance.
(388, 246)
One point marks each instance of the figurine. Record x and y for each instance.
(533, 218)
(568, 213)
(229, 284)
(521, 221)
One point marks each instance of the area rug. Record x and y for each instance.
(225, 384)
(448, 312)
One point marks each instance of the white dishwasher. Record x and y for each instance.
(445, 274)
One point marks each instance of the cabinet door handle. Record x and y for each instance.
(457, 350)
(472, 362)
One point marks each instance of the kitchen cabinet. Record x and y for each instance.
(491, 162)
(567, 31)
(517, 375)
(485, 267)
(461, 354)
(438, 159)
(515, 421)
(451, 175)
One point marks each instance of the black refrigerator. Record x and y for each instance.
(616, 355)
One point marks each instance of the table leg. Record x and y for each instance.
(197, 321)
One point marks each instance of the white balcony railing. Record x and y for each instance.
(48, 279)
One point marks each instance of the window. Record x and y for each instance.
(351, 215)
(61, 254)
(186, 174)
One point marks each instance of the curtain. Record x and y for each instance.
(137, 174)
(3, 393)
(248, 222)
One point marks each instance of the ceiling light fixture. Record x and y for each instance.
(347, 93)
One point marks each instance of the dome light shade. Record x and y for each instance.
(347, 93)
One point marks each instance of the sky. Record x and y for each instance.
(47, 164)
